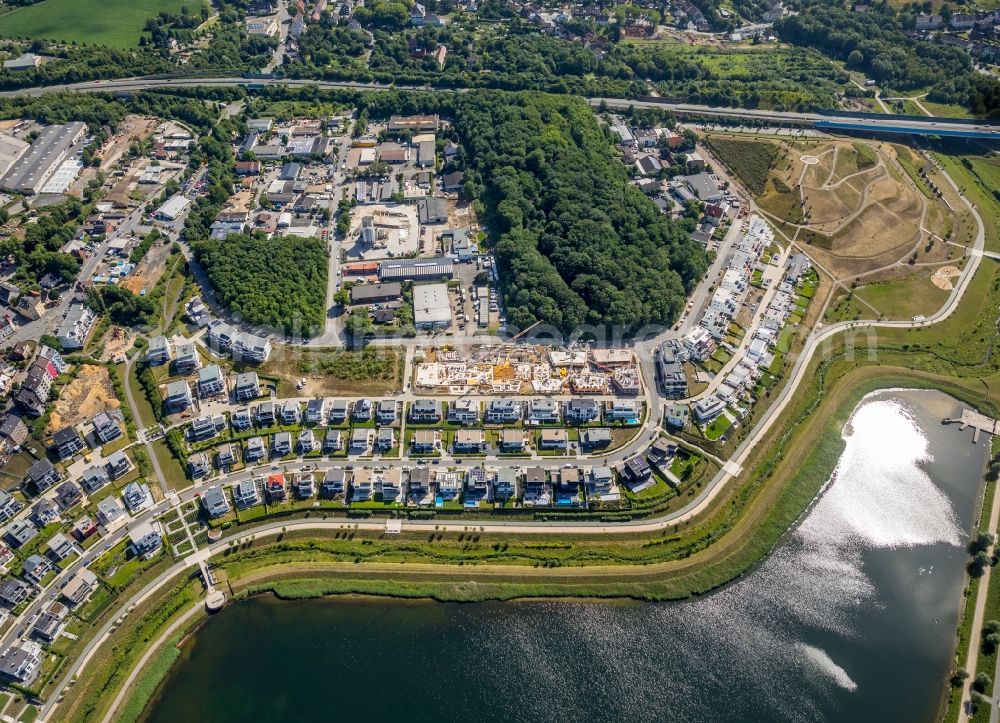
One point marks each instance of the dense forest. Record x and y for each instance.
(575, 242)
(520, 57)
(278, 282)
(875, 43)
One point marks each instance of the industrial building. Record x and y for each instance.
(375, 293)
(172, 207)
(416, 269)
(413, 123)
(431, 306)
(11, 149)
(33, 168)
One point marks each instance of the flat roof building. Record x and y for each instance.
(30, 172)
(414, 123)
(416, 269)
(375, 293)
(172, 207)
(431, 306)
(432, 210)
(11, 149)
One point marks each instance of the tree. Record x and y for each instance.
(50, 341)
(958, 678)
(991, 636)
(982, 682)
(980, 561)
(359, 326)
(855, 59)
(981, 542)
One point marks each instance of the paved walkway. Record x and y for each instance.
(972, 657)
(153, 649)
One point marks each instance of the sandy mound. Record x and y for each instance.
(91, 392)
(943, 276)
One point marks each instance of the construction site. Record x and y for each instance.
(90, 392)
(384, 231)
(525, 370)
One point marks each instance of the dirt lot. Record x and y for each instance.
(115, 343)
(149, 271)
(133, 128)
(370, 373)
(460, 214)
(91, 392)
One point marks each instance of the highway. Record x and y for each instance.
(884, 124)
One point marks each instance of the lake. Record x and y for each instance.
(852, 617)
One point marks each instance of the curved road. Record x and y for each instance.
(651, 426)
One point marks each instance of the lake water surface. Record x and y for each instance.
(851, 618)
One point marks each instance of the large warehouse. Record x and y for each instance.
(33, 168)
(431, 306)
(416, 269)
(173, 207)
(11, 149)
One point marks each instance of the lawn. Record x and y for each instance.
(117, 23)
(784, 344)
(718, 427)
(174, 475)
(847, 308)
(976, 191)
(946, 109)
(147, 417)
(903, 298)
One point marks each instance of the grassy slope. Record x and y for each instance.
(116, 23)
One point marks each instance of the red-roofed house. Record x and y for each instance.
(275, 487)
(714, 214)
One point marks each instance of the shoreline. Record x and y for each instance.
(272, 592)
(797, 493)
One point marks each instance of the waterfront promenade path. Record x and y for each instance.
(152, 650)
(972, 656)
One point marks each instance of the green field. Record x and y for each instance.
(903, 298)
(116, 23)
